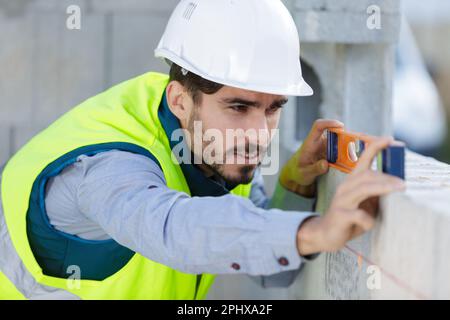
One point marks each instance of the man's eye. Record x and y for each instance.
(274, 109)
(239, 108)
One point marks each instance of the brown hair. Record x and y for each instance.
(193, 83)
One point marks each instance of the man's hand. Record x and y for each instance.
(300, 172)
(353, 208)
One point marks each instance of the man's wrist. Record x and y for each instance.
(304, 191)
(307, 191)
(309, 236)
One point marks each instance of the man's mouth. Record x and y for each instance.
(248, 158)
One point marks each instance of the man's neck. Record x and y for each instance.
(206, 170)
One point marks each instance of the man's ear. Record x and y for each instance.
(178, 101)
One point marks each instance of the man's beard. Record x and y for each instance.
(246, 171)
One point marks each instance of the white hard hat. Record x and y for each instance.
(247, 44)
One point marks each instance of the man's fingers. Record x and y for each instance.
(319, 168)
(374, 189)
(355, 182)
(321, 124)
(366, 185)
(369, 153)
(370, 205)
(311, 172)
(322, 154)
(362, 219)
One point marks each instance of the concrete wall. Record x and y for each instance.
(404, 257)
(48, 69)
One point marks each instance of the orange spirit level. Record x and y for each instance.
(344, 149)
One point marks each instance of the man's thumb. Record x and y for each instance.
(321, 166)
(316, 169)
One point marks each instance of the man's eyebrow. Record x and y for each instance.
(250, 103)
(280, 102)
(241, 101)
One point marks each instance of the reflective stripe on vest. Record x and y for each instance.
(126, 113)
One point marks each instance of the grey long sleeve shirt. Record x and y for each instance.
(108, 196)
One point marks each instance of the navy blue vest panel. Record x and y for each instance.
(56, 251)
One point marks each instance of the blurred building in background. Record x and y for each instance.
(419, 117)
(430, 25)
(46, 69)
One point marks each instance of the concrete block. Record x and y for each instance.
(388, 6)
(14, 8)
(327, 61)
(16, 54)
(407, 249)
(57, 6)
(368, 94)
(350, 27)
(5, 148)
(412, 240)
(134, 38)
(133, 6)
(69, 65)
(83, 68)
(353, 88)
(345, 21)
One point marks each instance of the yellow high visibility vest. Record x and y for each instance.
(125, 115)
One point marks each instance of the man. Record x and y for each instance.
(95, 207)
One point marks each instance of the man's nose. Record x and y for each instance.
(259, 125)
